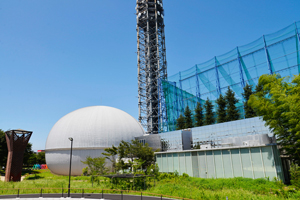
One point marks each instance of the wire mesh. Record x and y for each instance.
(273, 53)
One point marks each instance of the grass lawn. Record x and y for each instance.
(180, 186)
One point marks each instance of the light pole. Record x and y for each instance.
(71, 139)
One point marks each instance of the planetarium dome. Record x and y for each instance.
(93, 129)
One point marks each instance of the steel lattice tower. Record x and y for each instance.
(152, 65)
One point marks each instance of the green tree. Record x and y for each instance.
(249, 112)
(3, 149)
(278, 102)
(129, 152)
(209, 114)
(188, 118)
(111, 156)
(199, 117)
(28, 154)
(221, 109)
(232, 110)
(40, 158)
(95, 166)
(180, 122)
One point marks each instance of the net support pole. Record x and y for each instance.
(240, 68)
(217, 77)
(297, 49)
(181, 94)
(267, 55)
(176, 100)
(198, 94)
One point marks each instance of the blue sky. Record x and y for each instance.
(57, 56)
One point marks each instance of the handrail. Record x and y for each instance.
(39, 191)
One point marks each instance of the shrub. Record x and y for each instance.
(295, 175)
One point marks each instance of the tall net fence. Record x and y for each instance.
(273, 53)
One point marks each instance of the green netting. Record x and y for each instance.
(273, 53)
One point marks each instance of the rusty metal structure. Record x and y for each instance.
(17, 141)
(152, 64)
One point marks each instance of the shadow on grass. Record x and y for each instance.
(34, 177)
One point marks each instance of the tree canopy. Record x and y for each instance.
(3, 149)
(278, 102)
(249, 112)
(188, 118)
(221, 109)
(232, 111)
(180, 122)
(209, 114)
(199, 116)
(134, 153)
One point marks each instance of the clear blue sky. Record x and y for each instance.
(57, 56)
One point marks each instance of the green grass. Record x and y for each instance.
(180, 186)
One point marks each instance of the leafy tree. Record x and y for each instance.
(209, 114)
(221, 109)
(188, 118)
(32, 160)
(95, 166)
(199, 117)
(278, 102)
(180, 122)
(40, 158)
(111, 156)
(249, 112)
(232, 110)
(3, 149)
(28, 154)
(129, 152)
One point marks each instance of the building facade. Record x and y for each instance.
(241, 148)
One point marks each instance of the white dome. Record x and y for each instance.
(92, 129)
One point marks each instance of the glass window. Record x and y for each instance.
(188, 164)
(170, 163)
(195, 165)
(202, 164)
(218, 164)
(246, 161)
(236, 163)
(181, 164)
(268, 162)
(210, 165)
(257, 163)
(227, 164)
(158, 160)
(165, 163)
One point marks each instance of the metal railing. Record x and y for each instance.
(78, 193)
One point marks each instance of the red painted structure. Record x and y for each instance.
(17, 141)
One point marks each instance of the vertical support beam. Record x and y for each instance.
(181, 97)
(297, 44)
(240, 68)
(217, 78)
(176, 103)
(198, 94)
(268, 56)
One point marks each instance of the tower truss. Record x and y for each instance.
(152, 64)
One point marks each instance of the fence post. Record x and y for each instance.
(41, 195)
(141, 195)
(102, 193)
(62, 192)
(160, 197)
(18, 193)
(82, 193)
(121, 195)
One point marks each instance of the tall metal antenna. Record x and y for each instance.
(152, 64)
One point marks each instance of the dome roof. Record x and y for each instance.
(94, 127)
